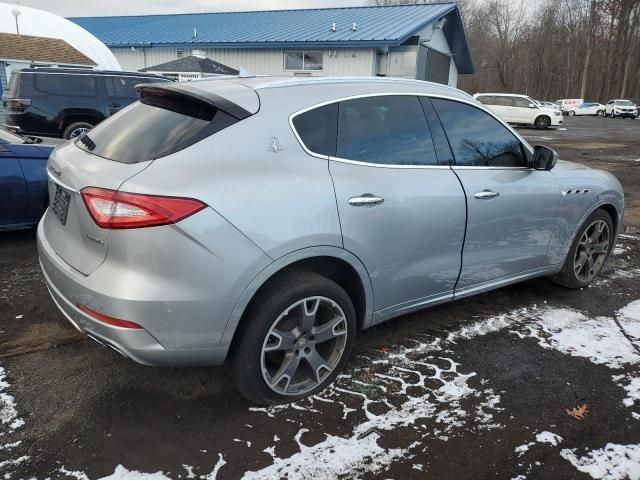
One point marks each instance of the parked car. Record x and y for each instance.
(23, 180)
(567, 103)
(587, 108)
(289, 214)
(621, 108)
(555, 106)
(64, 103)
(520, 110)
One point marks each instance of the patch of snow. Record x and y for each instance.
(598, 339)
(8, 413)
(629, 318)
(522, 449)
(214, 473)
(549, 437)
(613, 462)
(632, 386)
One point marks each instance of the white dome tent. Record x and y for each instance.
(40, 23)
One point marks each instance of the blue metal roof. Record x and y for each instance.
(384, 26)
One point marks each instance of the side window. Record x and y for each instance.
(503, 101)
(318, 129)
(486, 100)
(66, 85)
(476, 138)
(389, 130)
(520, 102)
(122, 86)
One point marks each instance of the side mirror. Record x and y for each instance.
(532, 105)
(544, 158)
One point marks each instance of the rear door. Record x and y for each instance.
(391, 194)
(521, 112)
(512, 208)
(502, 107)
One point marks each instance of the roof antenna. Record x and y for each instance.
(354, 27)
(333, 27)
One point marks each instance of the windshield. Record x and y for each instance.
(11, 137)
(624, 103)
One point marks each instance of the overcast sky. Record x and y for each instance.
(82, 8)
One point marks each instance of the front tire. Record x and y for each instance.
(588, 253)
(600, 113)
(296, 338)
(571, 113)
(542, 122)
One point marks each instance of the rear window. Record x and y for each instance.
(154, 127)
(67, 85)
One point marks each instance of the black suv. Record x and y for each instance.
(62, 102)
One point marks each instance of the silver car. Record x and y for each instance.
(262, 222)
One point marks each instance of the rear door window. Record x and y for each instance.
(154, 127)
(68, 85)
(390, 130)
(476, 138)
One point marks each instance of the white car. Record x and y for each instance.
(568, 103)
(520, 110)
(621, 108)
(587, 108)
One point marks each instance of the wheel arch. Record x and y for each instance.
(334, 263)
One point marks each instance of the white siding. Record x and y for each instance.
(360, 61)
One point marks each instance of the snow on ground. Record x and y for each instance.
(549, 437)
(613, 462)
(629, 318)
(9, 423)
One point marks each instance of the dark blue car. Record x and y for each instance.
(23, 180)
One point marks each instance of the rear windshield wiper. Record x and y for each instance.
(87, 142)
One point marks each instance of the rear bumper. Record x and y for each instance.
(69, 287)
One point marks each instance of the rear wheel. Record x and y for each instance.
(542, 122)
(600, 113)
(588, 253)
(571, 113)
(76, 129)
(296, 339)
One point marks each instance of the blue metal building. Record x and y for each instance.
(413, 41)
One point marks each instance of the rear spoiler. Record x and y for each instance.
(204, 96)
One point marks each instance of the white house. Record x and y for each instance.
(413, 41)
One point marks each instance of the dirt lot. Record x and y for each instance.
(476, 389)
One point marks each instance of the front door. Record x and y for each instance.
(401, 213)
(512, 208)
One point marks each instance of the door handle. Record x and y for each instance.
(486, 195)
(115, 105)
(365, 200)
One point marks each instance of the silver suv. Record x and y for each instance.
(265, 221)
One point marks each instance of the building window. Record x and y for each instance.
(298, 60)
(180, 53)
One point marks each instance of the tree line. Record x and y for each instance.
(552, 49)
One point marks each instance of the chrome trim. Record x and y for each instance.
(365, 200)
(61, 184)
(475, 103)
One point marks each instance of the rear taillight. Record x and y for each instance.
(16, 103)
(116, 322)
(112, 209)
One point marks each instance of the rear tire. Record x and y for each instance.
(277, 333)
(542, 122)
(571, 113)
(583, 250)
(600, 113)
(76, 129)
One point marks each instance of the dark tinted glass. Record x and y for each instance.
(154, 127)
(125, 86)
(66, 84)
(388, 130)
(476, 138)
(486, 100)
(520, 102)
(503, 101)
(318, 129)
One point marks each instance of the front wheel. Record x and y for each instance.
(588, 253)
(295, 340)
(542, 122)
(571, 113)
(600, 113)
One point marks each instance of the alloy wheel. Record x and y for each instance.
(592, 251)
(78, 131)
(304, 346)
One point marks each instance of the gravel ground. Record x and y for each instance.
(480, 388)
